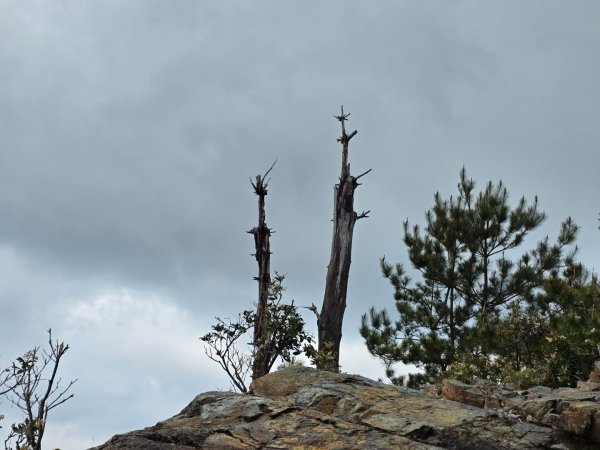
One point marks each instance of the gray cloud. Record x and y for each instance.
(129, 132)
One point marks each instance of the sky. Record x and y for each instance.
(129, 131)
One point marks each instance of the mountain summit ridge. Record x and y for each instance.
(301, 407)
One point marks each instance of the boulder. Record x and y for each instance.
(306, 408)
(577, 418)
(595, 373)
(463, 393)
(590, 386)
(537, 408)
(434, 389)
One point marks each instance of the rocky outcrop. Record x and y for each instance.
(572, 413)
(308, 409)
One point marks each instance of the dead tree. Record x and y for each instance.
(330, 319)
(261, 234)
(32, 384)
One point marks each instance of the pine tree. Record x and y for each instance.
(467, 279)
(570, 301)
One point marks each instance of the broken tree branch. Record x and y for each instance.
(363, 214)
(362, 174)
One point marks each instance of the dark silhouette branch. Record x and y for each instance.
(363, 215)
(362, 174)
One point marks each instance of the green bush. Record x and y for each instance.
(325, 359)
(467, 367)
(524, 378)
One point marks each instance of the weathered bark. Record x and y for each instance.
(261, 234)
(336, 285)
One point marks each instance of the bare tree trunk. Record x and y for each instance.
(336, 285)
(261, 234)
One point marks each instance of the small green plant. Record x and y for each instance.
(468, 366)
(285, 337)
(293, 362)
(324, 359)
(525, 378)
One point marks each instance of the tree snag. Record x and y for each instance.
(330, 319)
(263, 257)
(32, 384)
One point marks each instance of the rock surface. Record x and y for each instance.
(572, 413)
(302, 408)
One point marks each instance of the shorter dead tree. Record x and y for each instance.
(277, 328)
(32, 384)
(261, 234)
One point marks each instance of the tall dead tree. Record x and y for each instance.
(261, 234)
(330, 319)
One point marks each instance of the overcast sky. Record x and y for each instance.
(129, 131)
